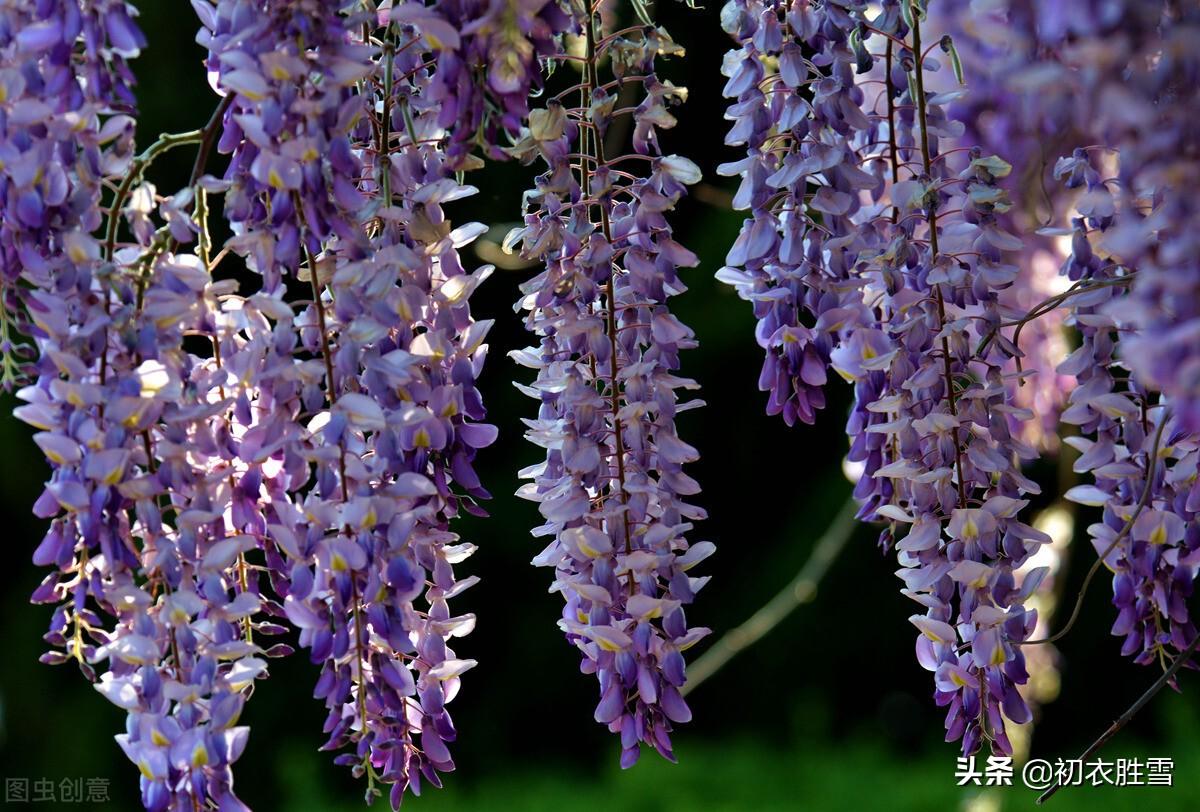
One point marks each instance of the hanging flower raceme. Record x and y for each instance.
(900, 292)
(370, 391)
(292, 70)
(800, 180)
(225, 461)
(612, 487)
(951, 453)
(1122, 82)
(1142, 457)
(998, 120)
(62, 68)
(125, 416)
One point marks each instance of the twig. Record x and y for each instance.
(1124, 718)
(801, 590)
(932, 217)
(1049, 304)
(137, 168)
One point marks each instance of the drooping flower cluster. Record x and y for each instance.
(894, 250)
(227, 461)
(795, 127)
(125, 416)
(1115, 87)
(63, 78)
(326, 443)
(367, 395)
(1143, 96)
(1123, 77)
(612, 488)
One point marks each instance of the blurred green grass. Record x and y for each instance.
(745, 775)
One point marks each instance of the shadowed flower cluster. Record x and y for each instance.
(612, 488)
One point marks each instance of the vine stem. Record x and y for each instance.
(165, 143)
(331, 393)
(799, 591)
(893, 153)
(610, 293)
(1123, 719)
(919, 81)
(1049, 304)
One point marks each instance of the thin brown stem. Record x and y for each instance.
(892, 151)
(1122, 720)
(610, 294)
(800, 590)
(948, 372)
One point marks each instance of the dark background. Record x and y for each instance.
(829, 711)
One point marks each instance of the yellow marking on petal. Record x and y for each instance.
(590, 552)
(957, 679)
(275, 179)
(1159, 535)
(144, 769)
(607, 645)
(158, 738)
(970, 530)
(422, 439)
(998, 657)
(200, 756)
(338, 563)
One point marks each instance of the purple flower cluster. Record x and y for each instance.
(63, 76)
(228, 465)
(293, 72)
(1115, 84)
(487, 58)
(794, 130)
(612, 488)
(139, 532)
(318, 446)
(895, 251)
(365, 411)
